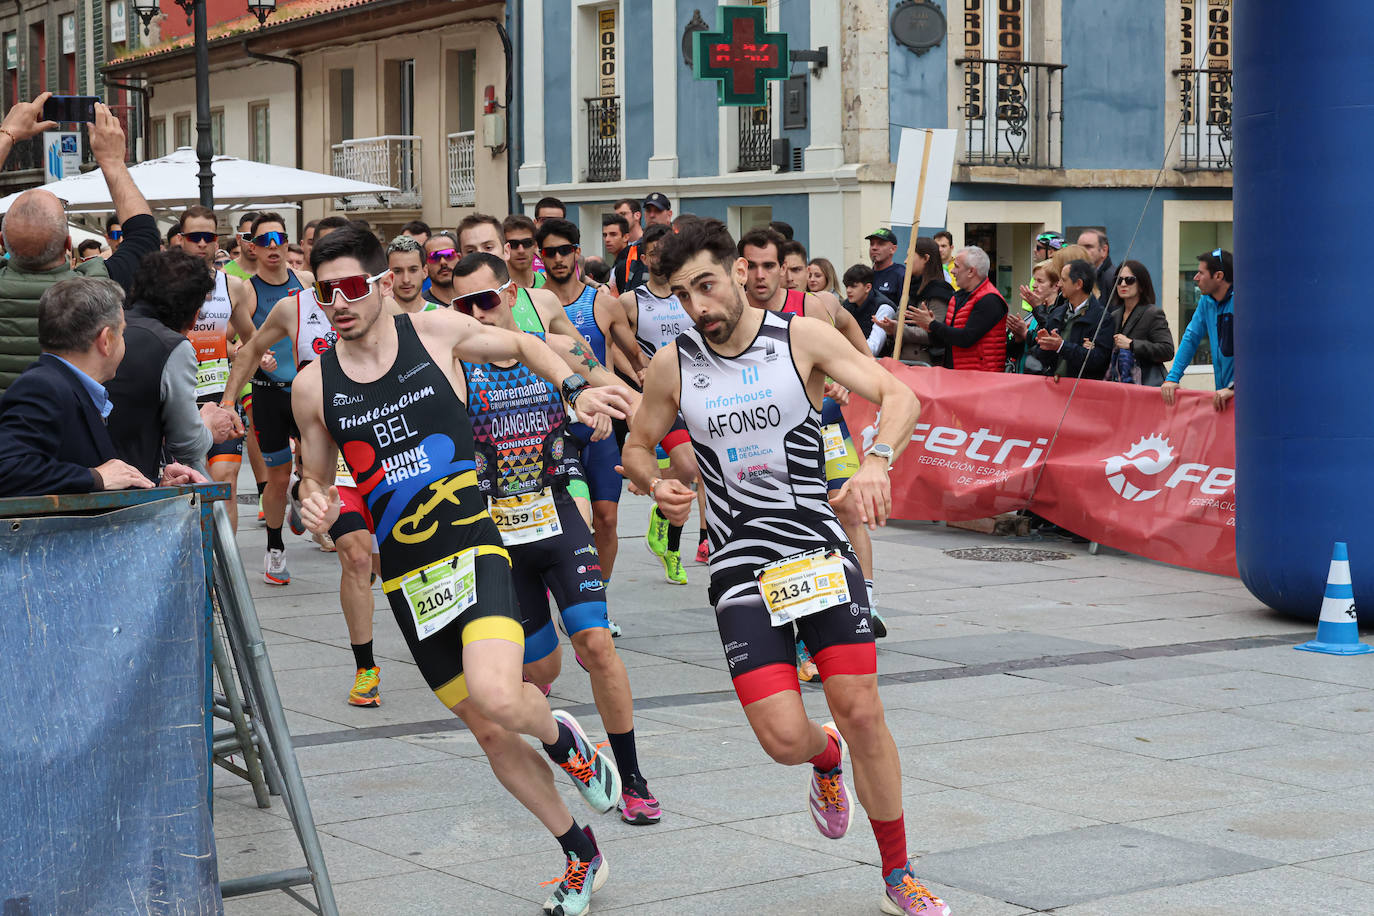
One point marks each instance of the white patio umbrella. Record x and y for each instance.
(171, 181)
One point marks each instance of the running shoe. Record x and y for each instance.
(262, 517)
(908, 897)
(879, 628)
(274, 569)
(656, 538)
(672, 567)
(806, 667)
(829, 796)
(703, 552)
(325, 541)
(614, 627)
(573, 894)
(293, 504)
(367, 687)
(638, 805)
(592, 770)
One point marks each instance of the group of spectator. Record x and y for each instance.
(1081, 316)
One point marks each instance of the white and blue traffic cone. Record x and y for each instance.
(1338, 629)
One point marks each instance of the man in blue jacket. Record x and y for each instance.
(52, 419)
(1213, 321)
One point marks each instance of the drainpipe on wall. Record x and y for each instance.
(513, 68)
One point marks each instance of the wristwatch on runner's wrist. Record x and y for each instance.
(884, 451)
(573, 386)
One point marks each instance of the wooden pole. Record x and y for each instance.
(911, 247)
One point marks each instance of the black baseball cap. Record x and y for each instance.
(1217, 260)
(885, 235)
(658, 201)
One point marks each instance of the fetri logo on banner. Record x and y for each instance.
(1123, 468)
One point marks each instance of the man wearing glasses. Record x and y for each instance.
(441, 254)
(272, 421)
(246, 263)
(390, 395)
(1213, 321)
(210, 336)
(599, 317)
(533, 494)
(519, 231)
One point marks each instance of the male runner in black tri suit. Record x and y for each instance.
(390, 396)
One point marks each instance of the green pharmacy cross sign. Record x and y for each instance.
(742, 54)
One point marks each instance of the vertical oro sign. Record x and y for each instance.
(973, 48)
(1218, 58)
(1011, 89)
(605, 43)
(1187, 44)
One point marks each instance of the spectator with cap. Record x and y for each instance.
(38, 238)
(153, 393)
(1213, 321)
(975, 335)
(657, 209)
(887, 274)
(53, 438)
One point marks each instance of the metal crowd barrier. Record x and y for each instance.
(235, 651)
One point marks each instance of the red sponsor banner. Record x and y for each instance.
(1124, 469)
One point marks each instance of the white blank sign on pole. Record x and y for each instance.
(938, 171)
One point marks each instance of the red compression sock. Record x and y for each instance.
(829, 758)
(891, 837)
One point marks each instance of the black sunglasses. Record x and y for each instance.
(522, 243)
(199, 237)
(1129, 281)
(558, 251)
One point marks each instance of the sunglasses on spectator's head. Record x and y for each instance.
(352, 288)
(199, 237)
(1128, 281)
(1216, 252)
(116, 234)
(270, 238)
(522, 243)
(434, 257)
(558, 251)
(485, 299)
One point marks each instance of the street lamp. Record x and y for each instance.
(195, 11)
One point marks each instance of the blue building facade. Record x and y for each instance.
(1070, 114)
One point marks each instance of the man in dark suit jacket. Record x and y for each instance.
(1077, 341)
(52, 419)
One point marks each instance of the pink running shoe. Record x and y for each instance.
(830, 796)
(908, 897)
(637, 804)
(703, 552)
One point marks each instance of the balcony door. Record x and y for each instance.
(1204, 31)
(997, 96)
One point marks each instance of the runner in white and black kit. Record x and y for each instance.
(748, 383)
(390, 396)
(657, 318)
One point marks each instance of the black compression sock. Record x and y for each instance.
(560, 748)
(274, 541)
(701, 535)
(576, 842)
(674, 538)
(262, 485)
(626, 758)
(362, 655)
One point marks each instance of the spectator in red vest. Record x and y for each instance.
(975, 336)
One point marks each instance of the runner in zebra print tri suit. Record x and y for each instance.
(748, 383)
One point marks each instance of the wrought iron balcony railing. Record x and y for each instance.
(393, 161)
(1013, 113)
(1205, 112)
(756, 137)
(462, 169)
(603, 139)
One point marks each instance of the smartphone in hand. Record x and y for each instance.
(70, 108)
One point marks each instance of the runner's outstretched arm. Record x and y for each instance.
(276, 327)
(662, 396)
(621, 335)
(818, 351)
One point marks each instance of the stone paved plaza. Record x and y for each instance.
(1092, 735)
